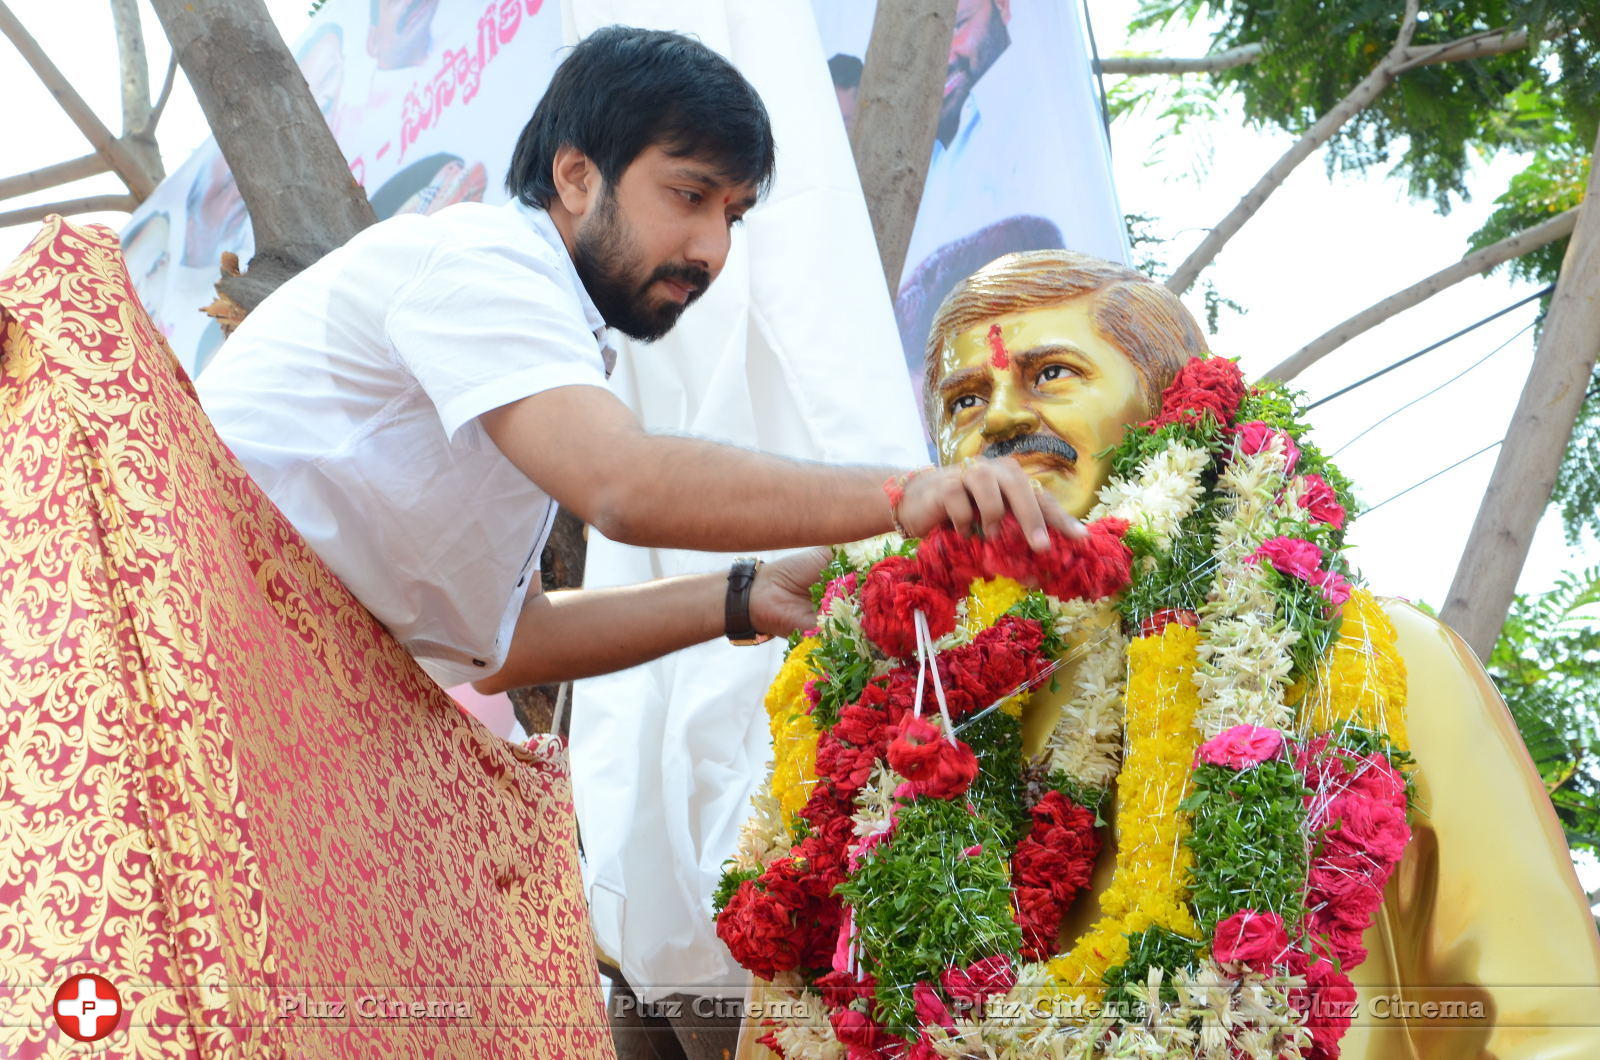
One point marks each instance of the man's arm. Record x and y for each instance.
(575, 633)
(588, 451)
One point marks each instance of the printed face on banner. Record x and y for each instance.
(978, 39)
(321, 60)
(401, 32)
(429, 185)
(1043, 386)
(652, 244)
(214, 214)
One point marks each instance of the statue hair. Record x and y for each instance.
(1131, 311)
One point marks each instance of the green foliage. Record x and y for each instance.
(1155, 947)
(921, 904)
(1577, 489)
(1552, 183)
(1248, 841)
(1547, 666)
(1434, 118)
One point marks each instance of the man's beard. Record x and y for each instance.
(604, 252)
(1047, 444)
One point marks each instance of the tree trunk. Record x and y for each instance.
(1515, 246)
(292, 176)
(897, 117)
(1525, 473)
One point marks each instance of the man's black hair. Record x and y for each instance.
(845, 70)
(624, 89)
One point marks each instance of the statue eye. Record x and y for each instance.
(964, 402)
(1051, 372)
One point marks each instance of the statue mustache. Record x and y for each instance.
(1047, 444)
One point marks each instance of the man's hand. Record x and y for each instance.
(780, 599)
(976, 494)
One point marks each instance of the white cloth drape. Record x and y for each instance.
(793, 350)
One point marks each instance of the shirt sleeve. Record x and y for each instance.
(482, 327)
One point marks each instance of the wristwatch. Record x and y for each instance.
(736, 612)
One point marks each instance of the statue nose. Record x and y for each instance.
(1008, 416)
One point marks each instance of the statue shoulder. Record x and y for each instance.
(1428, 645)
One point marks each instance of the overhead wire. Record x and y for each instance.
(1430, 478)
(1429, 349)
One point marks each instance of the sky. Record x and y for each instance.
(1320, 250)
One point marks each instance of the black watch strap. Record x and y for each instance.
(736, 611)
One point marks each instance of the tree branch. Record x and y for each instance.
(1205, 64)
(1541, 428)
(50, 176)
(161, 101)
(1481, 261)
(135, 70)
(89, 204)
(122, 161)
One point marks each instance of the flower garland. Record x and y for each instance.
(905, 878)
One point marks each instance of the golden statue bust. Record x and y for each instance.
(1483, 944)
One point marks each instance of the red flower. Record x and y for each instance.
(930, 1009)
(848, 767)
(854, 1028)
(1090, 568)
(757, 928)
(1256, 939)
(1319, 499)
(893, 594)
(936, 767)
(1154, 625)
(1210, 385)
(980, 980)
(1293, 556)
(838, 989)
(1052, 863)
(1327, 1001)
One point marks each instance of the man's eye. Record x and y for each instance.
(964, 402)
(692, 197)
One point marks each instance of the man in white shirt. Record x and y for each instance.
(419, 400)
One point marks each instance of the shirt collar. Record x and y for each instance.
(538, 219)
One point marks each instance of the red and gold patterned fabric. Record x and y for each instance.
(223, 786)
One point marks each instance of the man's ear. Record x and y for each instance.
(577, 180)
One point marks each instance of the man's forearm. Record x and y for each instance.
(563, 636)
(690, 493)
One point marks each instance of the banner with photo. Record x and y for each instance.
(426, 100)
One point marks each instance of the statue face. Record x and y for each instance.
(1044, 386)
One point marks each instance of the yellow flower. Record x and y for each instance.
(794, 734)
(988, 599)
(1362, 679)
(1150, 885)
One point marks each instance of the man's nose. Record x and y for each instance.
(1009, 414)
(708, 245)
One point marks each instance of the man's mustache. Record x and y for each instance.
(696, 279)
(1047, 444)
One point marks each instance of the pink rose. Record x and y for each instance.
(1319, 499)
(1241, 747)
(1255, 437)
(1256, 939)
(1294, 556)
(1335, 587)
(842, 586)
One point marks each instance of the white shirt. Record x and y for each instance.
(351, 396)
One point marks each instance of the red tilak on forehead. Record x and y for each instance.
(998, 357)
